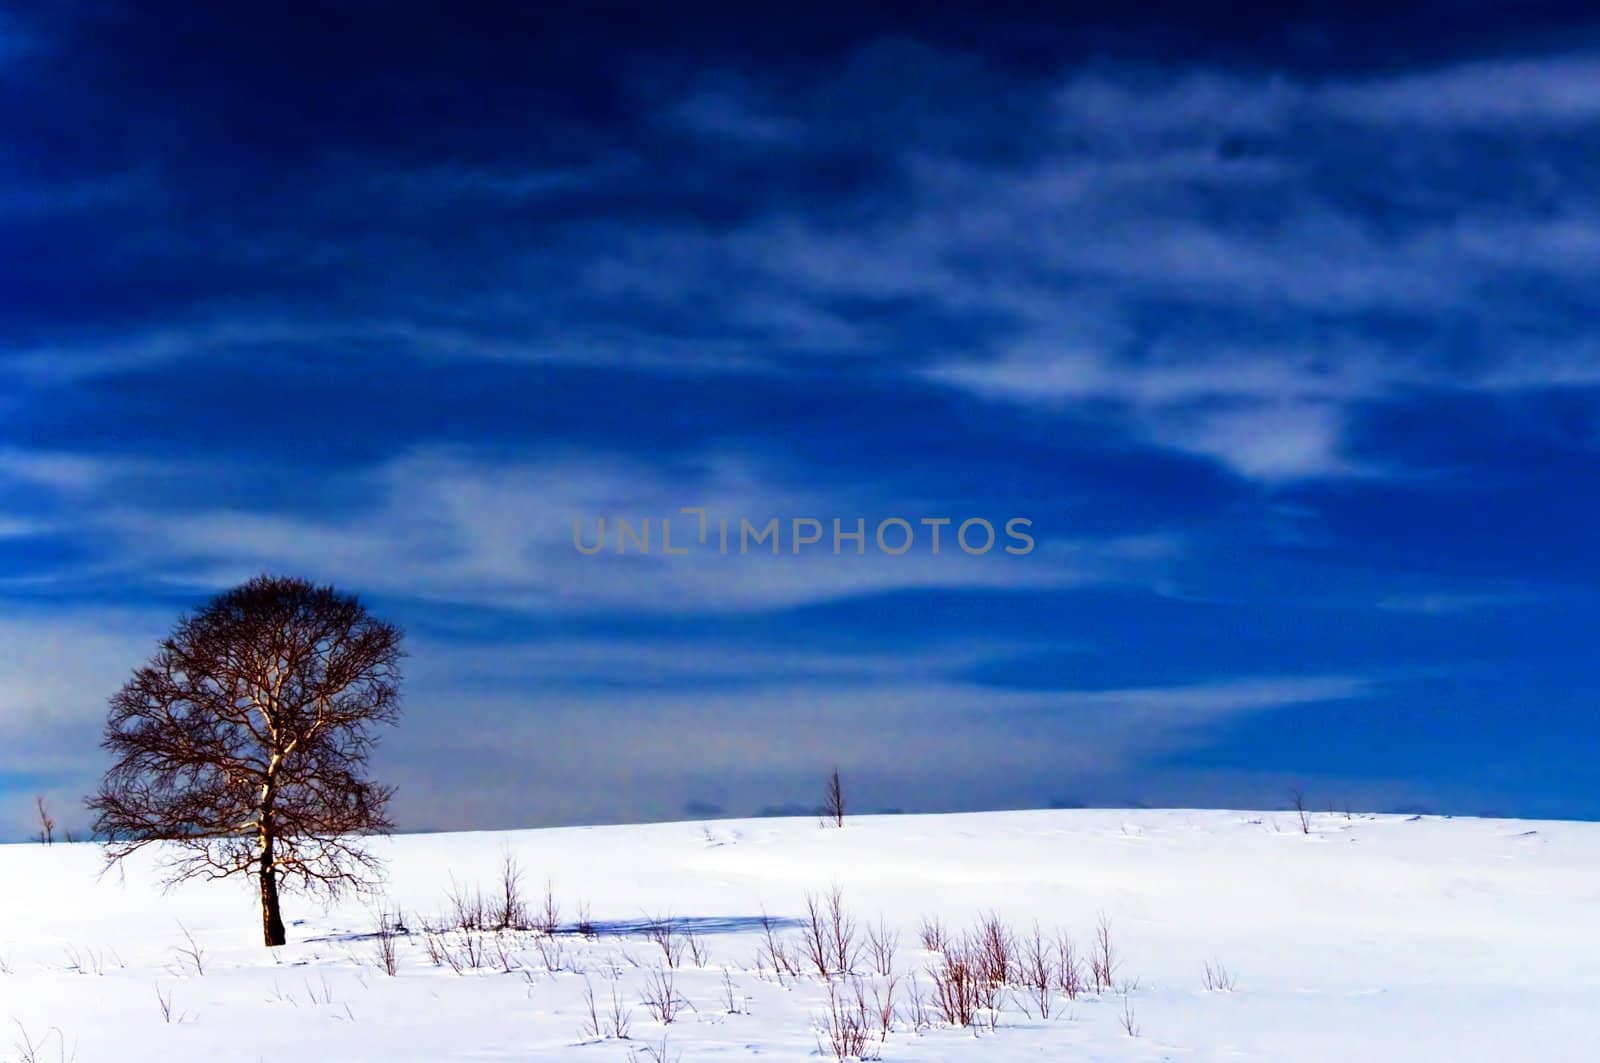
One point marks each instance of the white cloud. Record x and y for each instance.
(1538, 91)
(21, 527)
(1550, 90)
(1442, 603)
(669, 661)
(449, 526)
(1277, 442)
(1266, 418)
(57, 470)
(1127, 204)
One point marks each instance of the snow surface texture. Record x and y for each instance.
(1371, 938)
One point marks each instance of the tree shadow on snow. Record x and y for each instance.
(679, 924)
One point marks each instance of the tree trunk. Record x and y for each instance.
(271, 918)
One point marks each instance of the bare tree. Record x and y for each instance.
(1300, 810)
(833, 803)
(47, 823)
(244, 742)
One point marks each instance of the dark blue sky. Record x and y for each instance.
(1281, 333)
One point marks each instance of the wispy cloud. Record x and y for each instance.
(447, 526)
(751, 748)
(1165, 241)
(1264, 418)
(1538, 91)
(1560, 90)
(1444, 603)
(1281, 442)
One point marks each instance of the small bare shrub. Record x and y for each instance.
(661, 1053)
(463, 951)
(1038, 969)
(995, 948)
(1218, 978)
(468, 910)
(325, 996)
(728, 997)
(933, 934)
(1127, 1018)
(845, 1030)
(191, 951)
(591, 1026)
(881, 944)
(775, 952)
(28, 1051)
(164, 1002)
(842, 933)
(505, 955)
(474, 954)
(828, 938)
(883, 1005)
(547, 920)
(661, 997)
(663, 932)
(620, 1017)
(551, 952)
(915, 1014)
(384, 944)
(1103, 961)
(1069, 967)
(438, 950)
(85, 961)
(510, 910)
(814, 945)
(957, 995)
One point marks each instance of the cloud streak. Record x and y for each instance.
(446, 527)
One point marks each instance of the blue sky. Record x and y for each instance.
(1281, 333)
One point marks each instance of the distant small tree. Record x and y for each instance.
(833, 801)
(1299, 799)
(244, 742)
(47, 823)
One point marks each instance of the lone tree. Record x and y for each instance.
(244, 742)
(833, 801)
(47, 822)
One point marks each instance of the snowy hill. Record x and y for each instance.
(1370, 938)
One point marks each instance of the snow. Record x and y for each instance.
(1371, 938)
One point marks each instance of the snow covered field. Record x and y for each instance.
(1372, 938)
